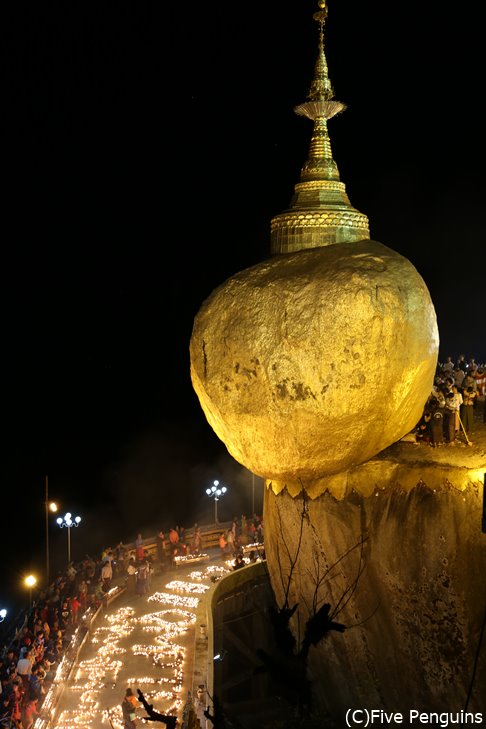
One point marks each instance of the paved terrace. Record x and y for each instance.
(157, 643)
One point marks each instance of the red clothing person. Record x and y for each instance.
(30, 714)
(75, 605)
(139, 548)
(83, 595)
(174, 540)
(222, 544)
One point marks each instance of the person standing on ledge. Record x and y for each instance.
(139, 550)
(173, 543)
(129, 704)
(196, 546)
(467, 408)
(239, 562)
(131, 576)
(161, 549)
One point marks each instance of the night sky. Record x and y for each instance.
(144, 151)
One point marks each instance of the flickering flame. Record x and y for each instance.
(92, 676)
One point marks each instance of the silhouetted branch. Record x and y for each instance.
(362, 622)
(286, 666)
(292, 560)
(317, 627)
(280, 618)
(217, 718)
(341, 558)
(169, 721)
(288, 672)
(352, 588)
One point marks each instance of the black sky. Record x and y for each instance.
(144, 151)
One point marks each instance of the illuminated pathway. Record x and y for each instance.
(144, 643)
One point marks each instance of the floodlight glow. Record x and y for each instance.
(216, 492)
(69, 522)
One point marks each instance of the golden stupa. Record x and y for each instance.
(310, 367)
(320, 357)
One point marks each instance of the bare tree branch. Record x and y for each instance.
(169, 721)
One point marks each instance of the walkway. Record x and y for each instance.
(154, 643)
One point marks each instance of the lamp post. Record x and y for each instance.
(3, 615)
(215, 492)
(253, 478)
(49, 506)
(30, 582)
(68, 522)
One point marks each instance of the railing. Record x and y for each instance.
(70, 659)
(210, 538)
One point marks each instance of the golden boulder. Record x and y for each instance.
(311, 363)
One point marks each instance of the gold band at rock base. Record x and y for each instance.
(372, 478)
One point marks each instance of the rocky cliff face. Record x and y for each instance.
(403, 565)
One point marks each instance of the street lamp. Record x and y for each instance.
(49, 506)
(30, 582)
(215, 492)
(3, 615)
(253, 493)
(68, 522)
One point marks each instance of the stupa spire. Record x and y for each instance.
(320, 213)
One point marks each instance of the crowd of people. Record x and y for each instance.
(459, 388)
(28, 662)
(242, 531)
